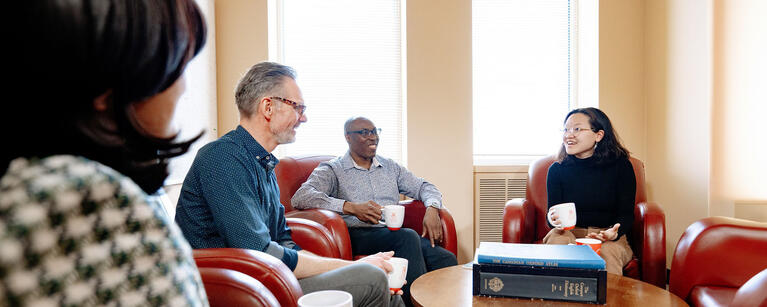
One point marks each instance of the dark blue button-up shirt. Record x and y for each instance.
(230, 198)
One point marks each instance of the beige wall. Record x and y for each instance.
(439, 110)
(241, 41)
(739, 108)
(678, 87)
(621, 71)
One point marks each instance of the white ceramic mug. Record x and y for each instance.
(326, 298)
(566, 213)
(398, 273)
(394, 216)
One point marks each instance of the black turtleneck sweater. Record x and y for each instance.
(603, 194)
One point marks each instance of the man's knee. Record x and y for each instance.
(406, 235)
(372, 275)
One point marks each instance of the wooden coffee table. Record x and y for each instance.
(452, 287)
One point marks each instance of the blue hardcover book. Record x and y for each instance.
(541, 255)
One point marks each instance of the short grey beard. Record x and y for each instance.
(283, 137)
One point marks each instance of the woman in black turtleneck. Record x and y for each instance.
(593, 171)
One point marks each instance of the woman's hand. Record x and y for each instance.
(554, 220)
(606, 235)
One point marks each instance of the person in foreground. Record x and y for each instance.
(100, 81)
(230, 196)
(593, 171)
(357, 186)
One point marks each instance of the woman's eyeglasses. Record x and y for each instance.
(575, 130)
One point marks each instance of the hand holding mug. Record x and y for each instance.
(554, 219)
(368, 212)
(380, 260)
(562, 216)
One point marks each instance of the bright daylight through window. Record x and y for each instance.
(348, 57)
(525, 72)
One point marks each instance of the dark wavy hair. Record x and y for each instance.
(64, 54)
(609, 148)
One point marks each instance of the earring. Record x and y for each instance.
(595, 145)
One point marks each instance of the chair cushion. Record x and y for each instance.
(631, 269)
(711, 296)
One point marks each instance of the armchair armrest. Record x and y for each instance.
(414, 212)
(718, 251)
(518, 221)
(333, 222)
(649, 242)
(313, 237)
(226, 287)
(270, 271)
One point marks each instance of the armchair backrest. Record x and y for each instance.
(536, 193)
(226, 287)
(291, 172)
(269, 271)
(718, 251)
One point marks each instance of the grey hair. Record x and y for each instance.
(262, 80)
(348, 123)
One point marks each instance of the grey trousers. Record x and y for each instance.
(615, 253)
(366, 283)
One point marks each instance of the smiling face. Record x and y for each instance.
(581, 143)
(362, 147)
(286, 119)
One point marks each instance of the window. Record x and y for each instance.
(348, 57)
(525, 70)
(196, 108)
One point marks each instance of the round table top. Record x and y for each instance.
(452, 286)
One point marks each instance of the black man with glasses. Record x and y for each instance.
(358, 184)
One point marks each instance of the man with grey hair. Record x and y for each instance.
(230, 196)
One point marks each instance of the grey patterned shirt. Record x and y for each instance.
(341, 179)
(74, 232)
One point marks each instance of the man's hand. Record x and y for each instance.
(606, 235)
(379, 260)
(432, 226)
(369, 211)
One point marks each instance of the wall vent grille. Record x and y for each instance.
(492, 191)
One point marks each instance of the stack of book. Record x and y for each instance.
(556, 272)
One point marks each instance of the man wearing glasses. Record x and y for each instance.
(230, 196)
(358, 184)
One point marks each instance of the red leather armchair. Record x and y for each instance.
(226, 287)
(293, 171)
(269, 271)
(524, 221)
(718, 261)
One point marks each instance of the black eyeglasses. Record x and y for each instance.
(299, 107)
(366, 132)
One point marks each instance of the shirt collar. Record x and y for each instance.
(265, 158)
(347, 162)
